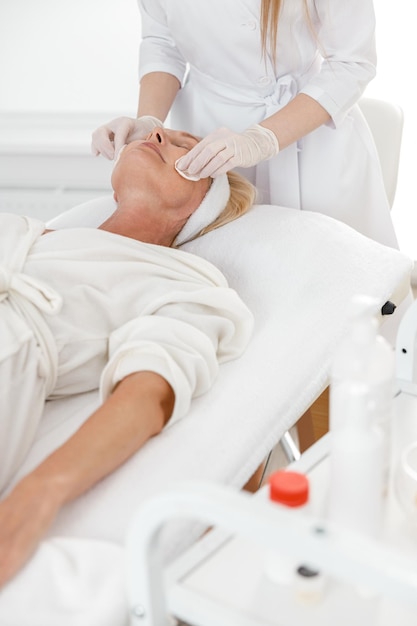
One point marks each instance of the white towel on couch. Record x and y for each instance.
(297, 271)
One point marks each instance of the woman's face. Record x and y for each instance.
(146, 171)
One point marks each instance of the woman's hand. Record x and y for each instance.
(109, 138)
(25, 515)
(224, 150)
(139, 407)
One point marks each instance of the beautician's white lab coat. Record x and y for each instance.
(81, 309)
(334, 170)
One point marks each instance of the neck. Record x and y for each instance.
(135, 224)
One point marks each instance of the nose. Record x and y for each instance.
(157, 134)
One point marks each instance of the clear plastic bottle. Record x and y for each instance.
(361, 396)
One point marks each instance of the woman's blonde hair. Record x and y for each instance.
(242, 197)
(270, 10)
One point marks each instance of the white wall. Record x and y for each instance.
(395, 81)
(69, 55)
(81, 56)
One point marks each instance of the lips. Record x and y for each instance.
(148, 144)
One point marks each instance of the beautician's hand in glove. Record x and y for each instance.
(109, 138)
(224, 150)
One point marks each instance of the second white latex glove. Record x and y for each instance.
(224, 150)
(109, 138)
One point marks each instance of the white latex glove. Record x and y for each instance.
(223, 150)
(109, 138)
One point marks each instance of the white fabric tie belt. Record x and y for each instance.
(282, 90)
(29, 297)
(40, 295)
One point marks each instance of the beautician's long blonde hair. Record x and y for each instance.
(270, 10)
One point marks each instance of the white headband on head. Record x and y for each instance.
(213, 203)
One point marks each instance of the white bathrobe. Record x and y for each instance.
(213, 48)
(82, 308)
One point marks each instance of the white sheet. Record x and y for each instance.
(297, 271)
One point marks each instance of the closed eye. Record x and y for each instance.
(186, 145)
(183, 140)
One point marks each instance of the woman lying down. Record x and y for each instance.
(117, 308)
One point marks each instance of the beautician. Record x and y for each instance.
(273, 87)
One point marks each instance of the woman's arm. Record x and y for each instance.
(139, 407)
(157, 93)
(223, 149)
(298, 118)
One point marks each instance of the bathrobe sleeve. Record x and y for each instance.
(184, 341)
(346, 39)
(158, 52)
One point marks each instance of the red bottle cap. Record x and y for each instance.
(288, 488)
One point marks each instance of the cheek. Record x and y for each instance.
(183, 195)
(197, 194)
(201, 188)
(115, 177)
(176, 190)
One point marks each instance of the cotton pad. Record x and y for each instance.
(184, 174)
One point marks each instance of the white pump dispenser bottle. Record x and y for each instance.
(361, 394)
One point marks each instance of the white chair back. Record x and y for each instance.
(386, 121)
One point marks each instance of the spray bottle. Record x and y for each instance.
(361, 395)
